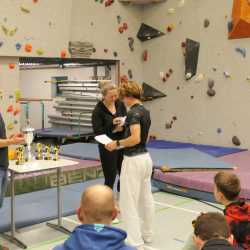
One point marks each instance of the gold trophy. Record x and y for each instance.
(39, 149)
(20, 155)
(56, 153)
(47, 153)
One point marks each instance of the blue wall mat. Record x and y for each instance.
(211, 150)
(37, 207)
(187, 158)
(84, 151)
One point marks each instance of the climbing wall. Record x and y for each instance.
(211, 106)
(111, 28)
(10, 93)
(34, 27)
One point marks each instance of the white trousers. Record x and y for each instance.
(136, 199)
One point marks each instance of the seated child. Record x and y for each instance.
(237, 212)
(212, 232)
(97, 210)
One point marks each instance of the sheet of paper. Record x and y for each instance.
(103, 139)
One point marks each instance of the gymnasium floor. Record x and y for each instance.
(174, 215)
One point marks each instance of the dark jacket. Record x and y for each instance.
(238, 217)
(219, 244)
(4, 162)
(96, 237)
(102, 119)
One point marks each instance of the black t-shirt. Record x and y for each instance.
(219, 244)
(4, 162)
(102, 120)
(137, 114)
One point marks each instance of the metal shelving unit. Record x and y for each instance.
(76, 103)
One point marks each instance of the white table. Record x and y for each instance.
(29, 167)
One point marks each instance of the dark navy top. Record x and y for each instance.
(137, 114)
(4, 162)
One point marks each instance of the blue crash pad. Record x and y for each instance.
(215, 151)
(187, 158)
(84, 151)
(62, 132)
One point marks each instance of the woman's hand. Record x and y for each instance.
(111, 146)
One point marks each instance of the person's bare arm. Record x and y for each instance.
(134, 138)
(13, 140)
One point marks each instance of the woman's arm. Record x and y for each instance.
(97, 122)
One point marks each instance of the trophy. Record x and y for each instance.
(47, 153)
(20, 155)
(28, 135)
(56, 153)
(39, 149)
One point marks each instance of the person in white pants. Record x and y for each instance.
(136, 199)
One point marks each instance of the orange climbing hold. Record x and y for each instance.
(28, 47)
(12, 66)
(63, 54)
(10, 109)
(240, 20)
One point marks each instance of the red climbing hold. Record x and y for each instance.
(63, 54)
(12, 66)
(125, 26)
(10, 109)
(121, 29)
(145, 55)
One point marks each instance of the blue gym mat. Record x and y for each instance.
(37, 207)
(84, 151)
(215, 151)
(186, 158)
(62, 132)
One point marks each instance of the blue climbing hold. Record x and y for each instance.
(18, 46)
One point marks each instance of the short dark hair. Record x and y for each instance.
(228, 184)
(210, 226)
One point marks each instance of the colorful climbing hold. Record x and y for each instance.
(28, 47)
(241, 51)
(121, 30)
(130, 74)
(10, 126)
(10, 109)
(63, 54)
(12, 65)
(211, 92)
(40, 52)
(145, 55)
(131, 43)
(236, 141)
(125, 26)
(210, 83)
(18, 46)
(219, 130)
(24, 9)
(206, 23)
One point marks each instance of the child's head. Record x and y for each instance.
(211, 226)
(97, 206)
(226, 187)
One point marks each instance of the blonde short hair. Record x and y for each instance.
(106, 87)
(131, 89)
